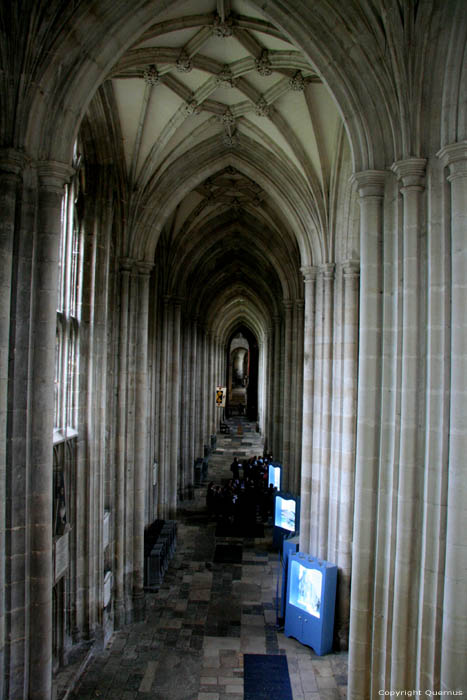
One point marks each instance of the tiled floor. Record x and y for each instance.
(206, 615)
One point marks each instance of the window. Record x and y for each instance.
(68, 311)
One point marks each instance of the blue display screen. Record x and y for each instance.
(305, 588)
(285, 513)
(274, 476)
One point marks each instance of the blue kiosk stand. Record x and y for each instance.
(275, 475)
(310, 603)
(286, 517)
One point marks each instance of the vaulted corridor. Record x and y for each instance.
(221, 210)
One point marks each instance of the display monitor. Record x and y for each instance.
(285, 513)
(305, 590)
(274, 475)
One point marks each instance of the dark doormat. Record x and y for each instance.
(266, 677)
(228, 554)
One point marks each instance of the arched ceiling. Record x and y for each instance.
(230, 142)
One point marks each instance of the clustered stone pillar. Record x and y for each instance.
(277, 433)
(329, 415)
(174, 422)
(347, 447)
(120, 509)
(309, 274)
(11, 166)
(296, 442)
(51, 179)
(141, 432)
(269, 415)
(132, 461)
(371, 190)
(286, 395)
(454, 630)
(405, 625)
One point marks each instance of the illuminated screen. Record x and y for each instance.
(305, 588)
(274, 476)
(285, 513)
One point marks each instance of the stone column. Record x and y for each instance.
(454, 631)
(323, 364)
(12, 164)
(371, 190)
(164, 389)
(269, 417)
(351, 271)
(286, 393)
(404, 633)
(317, 412)
(205, 392)
(141, 435)
(309, 275)
(120, 486)
(185, 408)
(199, 392)
(193, 408)
(296, 447)
(174, 416)
(51, 179)
(211, 385)
(276, 435)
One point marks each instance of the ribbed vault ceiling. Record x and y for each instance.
(217, 80)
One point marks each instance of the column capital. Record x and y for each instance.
(126, 264)
(309, 272)
(144, 268)
(53, 175)
(299, 304)
(370, 183)
(327, 270)
(13, 162)
(287, 304)
(351, 268)
(455, 157)
(411, 172)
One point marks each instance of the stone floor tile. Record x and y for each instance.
(324, 682)
(234, 690)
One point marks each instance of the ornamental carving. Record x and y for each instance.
(184, 63)
(225, 78)
(263, 64)
(297, 82)
(230, 140)
(222, 28)
(151, 76)
(228, 118)
(192, 108)
(262, 108)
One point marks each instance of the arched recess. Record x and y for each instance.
(251, 386)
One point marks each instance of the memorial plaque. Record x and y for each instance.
(106, 529)
(108, 580)
(61, 556)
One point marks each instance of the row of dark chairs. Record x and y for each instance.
(160, 541)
